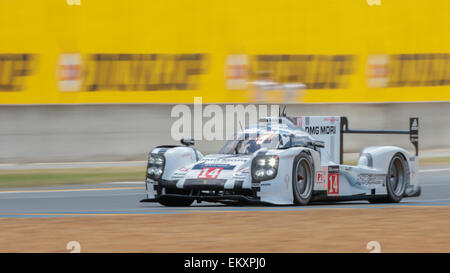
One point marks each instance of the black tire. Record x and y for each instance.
(303, 178)
(175, 202)
(396, 180)
(170, 201)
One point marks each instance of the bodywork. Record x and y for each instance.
(228, 177)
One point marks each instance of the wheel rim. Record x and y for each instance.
(303, 172)
(396, 176)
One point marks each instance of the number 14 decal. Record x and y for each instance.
(211, 173)
(333, 183)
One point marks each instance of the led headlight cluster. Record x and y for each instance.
(264, 167)
(155, 165)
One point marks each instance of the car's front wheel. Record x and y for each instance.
(303, 178)
(173, 201)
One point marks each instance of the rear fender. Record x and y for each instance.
(379, 157)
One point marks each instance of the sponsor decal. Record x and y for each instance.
(13, 70)
(321, 177)
(414, 128)
(183, 169)
(236, 71)
(300, 122)
(226, 159)
(320, 130)
(244, 170)
(68, 72)
(377, 71)
(333, 169)
(414, 124)
(408, 70)
(130, 72)
(314, 71)
(331, 119)
(209, 173)
(371, 179)
(221, 166)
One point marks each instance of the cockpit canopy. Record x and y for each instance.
(250, 142)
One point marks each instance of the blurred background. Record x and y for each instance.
(96, 80)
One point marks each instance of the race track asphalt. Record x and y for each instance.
(123, 198)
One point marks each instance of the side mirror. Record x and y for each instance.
(317, 144)
(187, 142)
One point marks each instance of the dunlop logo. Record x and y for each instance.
(13, 70)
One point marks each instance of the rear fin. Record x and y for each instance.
(414, 133)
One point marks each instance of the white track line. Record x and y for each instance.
(434, 170)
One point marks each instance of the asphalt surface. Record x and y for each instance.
(123, 198)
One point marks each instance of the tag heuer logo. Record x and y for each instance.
(377, 71)
(236, 71)
(68, 72)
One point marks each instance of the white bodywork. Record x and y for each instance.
(332, 181)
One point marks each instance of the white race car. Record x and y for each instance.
(284, 160)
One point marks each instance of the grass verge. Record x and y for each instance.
(52, 177)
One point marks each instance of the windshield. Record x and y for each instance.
(250, 143)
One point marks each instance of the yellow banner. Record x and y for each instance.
(168, 51)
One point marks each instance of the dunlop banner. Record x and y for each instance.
(168, 51)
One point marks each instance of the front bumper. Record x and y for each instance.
(208, 190)
(226, 198)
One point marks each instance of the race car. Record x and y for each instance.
(283, 161)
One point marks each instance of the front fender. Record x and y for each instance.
(177, 157)
(279, 190)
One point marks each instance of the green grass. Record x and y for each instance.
(435, 160)
(52, 177)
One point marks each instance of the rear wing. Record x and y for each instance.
(331, 130)
(413, 133)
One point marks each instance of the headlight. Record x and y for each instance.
(155, 166)
(264, 167)
(261, 162)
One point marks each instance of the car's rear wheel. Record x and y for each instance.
(396, 180)
(303, 178)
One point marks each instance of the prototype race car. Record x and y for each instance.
(284, 160)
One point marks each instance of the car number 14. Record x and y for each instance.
(333, 183)
(209, 173)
